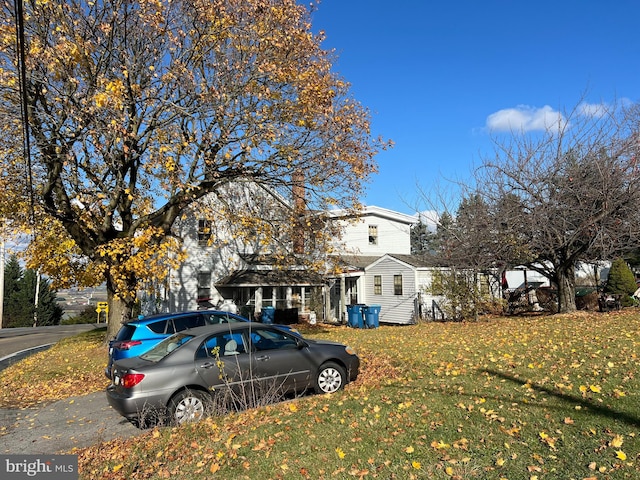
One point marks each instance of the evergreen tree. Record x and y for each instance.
(621, 279)
(421, 239)
(445, 241)
(11, 308)
(19, 298)
(49, 311)
(26, 297)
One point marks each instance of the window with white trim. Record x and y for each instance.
(204, 286)
(377, 284)
(397, 284)
(373, 235)
(204, 232)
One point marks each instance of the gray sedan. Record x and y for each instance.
(240, 364)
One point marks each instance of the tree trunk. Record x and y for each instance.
(120, 309)
(566, 281)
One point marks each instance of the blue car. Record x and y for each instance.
(138, 336)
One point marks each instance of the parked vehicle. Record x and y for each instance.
(138, 336)
(184, 374)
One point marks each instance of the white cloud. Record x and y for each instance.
(524, 118)
(594, 110)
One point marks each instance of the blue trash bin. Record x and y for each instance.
(354, 316)
(268, 315)
(371, 315)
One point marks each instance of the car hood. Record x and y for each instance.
(324, 342)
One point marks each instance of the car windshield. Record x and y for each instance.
(166, 346)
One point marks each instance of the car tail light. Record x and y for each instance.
(126, 345)
(130, 380)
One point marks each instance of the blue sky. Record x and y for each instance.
(437, 75)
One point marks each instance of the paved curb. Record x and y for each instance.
(9, 360)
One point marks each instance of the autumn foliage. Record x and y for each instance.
(137, 109)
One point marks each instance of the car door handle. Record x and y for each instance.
(262, 358)
(207, 365)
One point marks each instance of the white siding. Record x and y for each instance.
(220, 259)
(393, 233)
(222, 256)
(397, 309)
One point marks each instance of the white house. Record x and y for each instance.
(371, 264)
(226, 264)
(366, 239)
(393, 282)
(222, 270)
(400, 285)
(374, 231)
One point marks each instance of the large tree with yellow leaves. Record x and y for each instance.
(137, 109)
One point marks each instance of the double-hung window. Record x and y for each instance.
(397, 284)
(204, 232)
(373, 235)
(377, 284)
(204, 286)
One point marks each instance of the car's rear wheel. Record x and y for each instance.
(330, 378)
(188, 406)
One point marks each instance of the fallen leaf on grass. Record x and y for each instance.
(616, 442)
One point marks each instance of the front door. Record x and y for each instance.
(351, 285)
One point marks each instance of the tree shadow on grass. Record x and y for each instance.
(585, 403)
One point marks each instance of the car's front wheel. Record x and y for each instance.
(188, 406)
(330, 378)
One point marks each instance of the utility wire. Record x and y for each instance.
(24, 101)
(24, 110)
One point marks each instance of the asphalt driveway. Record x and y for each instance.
(57, 427)
(61, 426)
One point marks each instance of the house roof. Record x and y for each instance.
(371, 210)
(360, 262)
(270, 278)
(355, 262)
(413, 260)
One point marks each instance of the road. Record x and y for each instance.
(17, 343)
(60, 426)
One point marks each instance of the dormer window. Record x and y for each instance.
(373, 235)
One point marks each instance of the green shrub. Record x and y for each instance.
(621, 279)
(88, 315)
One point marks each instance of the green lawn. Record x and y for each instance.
(521, 398)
